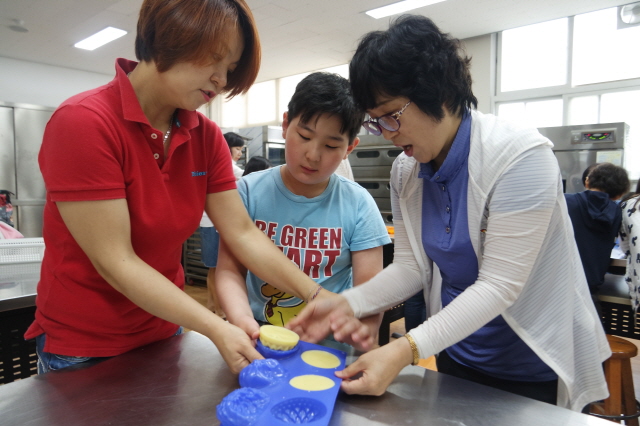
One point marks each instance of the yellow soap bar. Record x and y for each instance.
(320, 359)
(278, 338)
(312, 382)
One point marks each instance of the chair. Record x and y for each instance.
(621, 404)
(390, 315)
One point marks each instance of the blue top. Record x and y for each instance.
(495, 349)
(318, 234)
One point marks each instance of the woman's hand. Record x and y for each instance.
(236, 347)
(313, 323)
(379, 368)
(361, 334)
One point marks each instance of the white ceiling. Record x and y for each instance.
(296, 35)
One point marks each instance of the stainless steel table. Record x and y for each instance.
(179, 381)
(18, 284)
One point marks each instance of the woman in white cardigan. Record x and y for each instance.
(481, 226)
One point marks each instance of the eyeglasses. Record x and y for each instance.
(390, 122)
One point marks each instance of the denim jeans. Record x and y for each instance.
(51, 362)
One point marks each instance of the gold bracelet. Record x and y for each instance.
(414, 349)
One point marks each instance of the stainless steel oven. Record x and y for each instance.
(371, 163)
(266, 141)
(577, 147)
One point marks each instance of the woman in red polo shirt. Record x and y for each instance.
(128, 168)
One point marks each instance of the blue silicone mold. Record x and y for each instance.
(267, 399)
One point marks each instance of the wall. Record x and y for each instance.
(24, 82)
(482, 50)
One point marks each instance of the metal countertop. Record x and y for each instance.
(18, 284)
(180, 380)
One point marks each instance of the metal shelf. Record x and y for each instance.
(195, 273)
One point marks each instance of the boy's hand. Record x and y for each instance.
(249, 325)
(236, 348)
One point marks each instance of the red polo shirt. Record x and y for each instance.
(98, 145)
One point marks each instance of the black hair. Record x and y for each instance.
(609, 178)
(415, 60)
(586, 172)
(255, 164)
(326, 93)
(633, 194)
(234, 139)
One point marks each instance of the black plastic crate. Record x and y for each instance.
(617, 319)
(195, 273)
(18, 359)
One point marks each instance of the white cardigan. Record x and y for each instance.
(529, 266)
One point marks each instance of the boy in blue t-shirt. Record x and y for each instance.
(328, 225)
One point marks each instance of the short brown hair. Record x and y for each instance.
(172, 31)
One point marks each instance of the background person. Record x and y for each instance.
(629, 244)
(236, 146)
(255, 164)
(596, 218)
(585, 173)
(209, 237)
(481, 199)
(116, 160)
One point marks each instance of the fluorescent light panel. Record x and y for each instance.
(402, 6)
(100, 38)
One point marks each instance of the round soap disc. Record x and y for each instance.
(320, 359)
(312, 382)
(278, 338)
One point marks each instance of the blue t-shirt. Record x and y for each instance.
(318, 234)
(495, 349)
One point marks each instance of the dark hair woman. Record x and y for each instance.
(480, 225)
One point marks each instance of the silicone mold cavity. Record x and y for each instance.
(241, 407)
(262, 373)
(273, 353)
(299, 411)
(267, 397)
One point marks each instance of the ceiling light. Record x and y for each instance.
(399, 7)
(101, 37)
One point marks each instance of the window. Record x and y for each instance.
(584, 110)
(261, 103)
(624, 106)
(580, 70)
(286, 89)
(544, 113)
(601, 51)
(342, 70)
(234, 112)
(534, 56)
